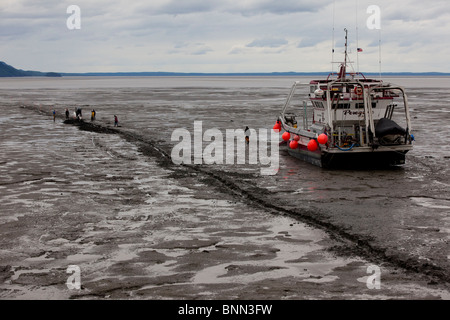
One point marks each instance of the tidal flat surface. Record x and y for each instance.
(139, 227)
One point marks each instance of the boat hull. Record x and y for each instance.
(380, 159)
(351, 159)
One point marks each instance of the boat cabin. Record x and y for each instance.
(348, 108)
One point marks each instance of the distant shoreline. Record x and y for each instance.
(262, 74)
(8, 71)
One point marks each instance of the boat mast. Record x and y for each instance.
(346, 37)
(343, 69)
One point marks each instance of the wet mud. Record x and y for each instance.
(111, 200)
(351, 244)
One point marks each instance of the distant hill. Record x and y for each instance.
(9, 71)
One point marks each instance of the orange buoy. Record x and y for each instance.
(286, 136)
(293, 144)
(312, 145)
(322, 139)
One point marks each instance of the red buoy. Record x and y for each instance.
(286, 136)
(296, 138)
(277, 127)
(312, 145)
(322, 139)
(293, 144)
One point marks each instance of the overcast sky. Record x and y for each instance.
(223, 35)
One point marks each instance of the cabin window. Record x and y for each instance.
(312, 89)
(341, 106)
(318, 104)
(361, 105)
(344, 106)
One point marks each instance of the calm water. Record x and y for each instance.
(403, 213)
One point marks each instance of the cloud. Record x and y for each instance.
(243, 7)
(182, 7)
(268, 43)
(202, 51)
(307, 42)
(237, 50)
(190, 49)
(416, 11)
(256, 7)
(220, 35)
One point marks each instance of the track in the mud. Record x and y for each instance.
(353, 244)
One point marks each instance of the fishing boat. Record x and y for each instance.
(349, 121)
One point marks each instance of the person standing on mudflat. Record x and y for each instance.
(247, 134)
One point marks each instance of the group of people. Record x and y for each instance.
(77, 114)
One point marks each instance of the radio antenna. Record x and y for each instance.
(332, 38)
(357, 40)
(379, 51)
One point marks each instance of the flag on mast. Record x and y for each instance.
(360, 50)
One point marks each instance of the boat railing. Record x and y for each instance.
(282, 117)
(351, 74)
(405, 102)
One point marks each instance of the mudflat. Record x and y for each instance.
(109, 200)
